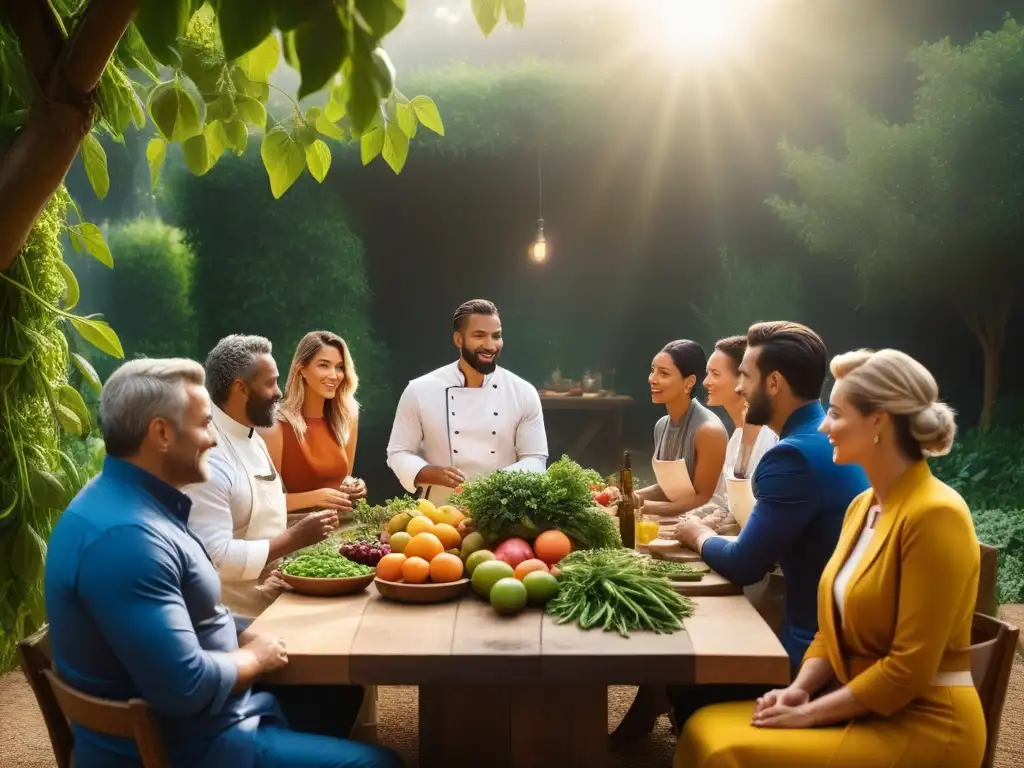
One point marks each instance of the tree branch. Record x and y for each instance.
(38, 34)
(42, 153)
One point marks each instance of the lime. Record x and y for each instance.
(398, 541)
(480, 556)
(508, 596)
(540, 586)
(473, 542)
(487, 573)
(398, 522)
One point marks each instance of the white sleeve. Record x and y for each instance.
(531, 439)
(210, 519)
(406, 441)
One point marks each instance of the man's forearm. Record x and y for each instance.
(281, 545)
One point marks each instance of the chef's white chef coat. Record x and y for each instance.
(238, 511)
(478, 430)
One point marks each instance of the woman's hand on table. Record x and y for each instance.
(689, 532)
(354, 488)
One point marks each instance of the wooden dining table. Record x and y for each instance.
(512, 691)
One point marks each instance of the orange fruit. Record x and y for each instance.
(419, 525)
(446, 567)
(529, 566)
(448, 536)
(552, 546)
(415, 570)
(424, 545)
(390, 566)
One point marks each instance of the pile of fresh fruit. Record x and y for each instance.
(516, 574)
(425, 545)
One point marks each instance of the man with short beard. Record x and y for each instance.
(240, 513)
(801, 495)
(469, 418)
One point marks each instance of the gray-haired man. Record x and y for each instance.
(133, 599)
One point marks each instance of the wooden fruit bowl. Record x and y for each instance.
(329, 587)
(421, 593)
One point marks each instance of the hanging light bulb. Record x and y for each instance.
(539, 249)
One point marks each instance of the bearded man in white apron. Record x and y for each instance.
(469, 418)
(240, 514)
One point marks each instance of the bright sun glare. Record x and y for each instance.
(704, 28)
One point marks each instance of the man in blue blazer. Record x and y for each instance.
(801, 494)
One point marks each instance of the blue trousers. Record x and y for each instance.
(278, 747)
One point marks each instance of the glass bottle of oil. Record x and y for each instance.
(627, 512)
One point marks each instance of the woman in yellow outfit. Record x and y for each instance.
(887, 680)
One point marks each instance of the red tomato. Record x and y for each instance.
(602, 498)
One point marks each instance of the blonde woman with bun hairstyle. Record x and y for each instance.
(887, 680)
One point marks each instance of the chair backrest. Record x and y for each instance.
(36, 658)
(131, 719)
(993, 645)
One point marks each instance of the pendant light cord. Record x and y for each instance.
(540, 186)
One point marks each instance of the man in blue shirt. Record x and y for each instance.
(134, 601)
(801, 494)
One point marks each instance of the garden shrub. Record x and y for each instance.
(987, 468)
(278, 268)
(149, 290)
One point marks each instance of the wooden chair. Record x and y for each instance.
(36, 657)
(993, 645)
(61, 704)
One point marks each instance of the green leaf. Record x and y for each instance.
(371, 144)
(382, 15)
(244, 24)
(95, 159)
(71, 293)
(426, 111)
(46, 490)
(406, 119)
(383, 73)
(174, 112)
(318, 159)
(288, 14)
(316, 118)
(68, 420)
(156, 153)
(335, 109)
(221, 108)
(237, 136)
(262, 60)
(515, 12)
(100, 335)
(71, 398)
(487, 13)
(198, 155)
(257, 89)
(88, 372)
(216, 139)
(93, 242)
(396, 147)
(320, 47)
(161, 23)
(201, 70)
(362, 104)
(251, 111)
(284, 160)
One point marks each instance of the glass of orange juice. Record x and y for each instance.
(646, 531)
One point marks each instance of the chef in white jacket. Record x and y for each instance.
(240, 513)
(469, 418)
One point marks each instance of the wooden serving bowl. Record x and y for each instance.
(329, 587)
(421, 593)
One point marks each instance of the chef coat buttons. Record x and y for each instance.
(492, 451)
(494, 433)
(456, 431)
(457, 450)
(495, 386)
(453, 413)
(495, 413)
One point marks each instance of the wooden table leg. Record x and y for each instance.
(594, 424)
(519, 726)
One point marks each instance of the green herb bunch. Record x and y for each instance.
(324, 565)
(371, 519)
(523, 504)
(618, 591)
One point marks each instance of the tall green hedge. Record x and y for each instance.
(149, 292)
(278, 268)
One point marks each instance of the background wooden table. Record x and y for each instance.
(502, 691)
(573, 423)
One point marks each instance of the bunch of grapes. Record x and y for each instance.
(364, 552)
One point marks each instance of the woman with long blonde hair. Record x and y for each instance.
(313, 443)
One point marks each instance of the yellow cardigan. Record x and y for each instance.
(910, 601)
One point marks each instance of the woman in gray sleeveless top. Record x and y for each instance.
(689, 434)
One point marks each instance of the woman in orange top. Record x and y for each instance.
(313, 443)
(887, 681)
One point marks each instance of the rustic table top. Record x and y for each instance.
(578, 403)
(366, 639)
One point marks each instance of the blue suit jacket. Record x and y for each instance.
(801, 500)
